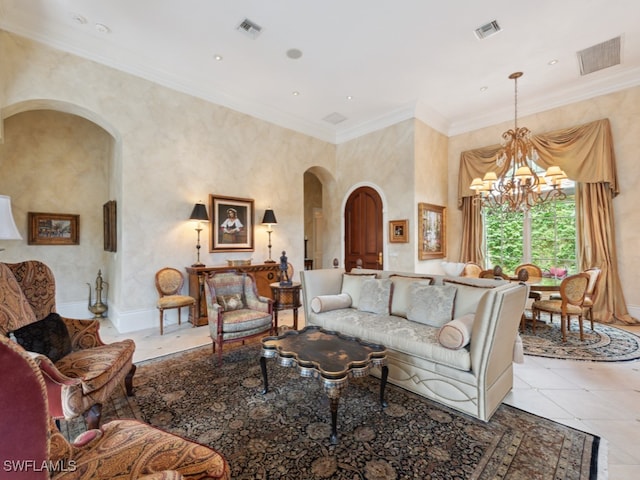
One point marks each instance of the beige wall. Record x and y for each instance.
(623, 110)
(169, 150)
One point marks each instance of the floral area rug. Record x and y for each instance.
(285, 433)
(604, 343)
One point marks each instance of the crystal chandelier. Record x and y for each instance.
(520, 187)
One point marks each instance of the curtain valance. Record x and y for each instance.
(584, 152)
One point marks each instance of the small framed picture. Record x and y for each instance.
(231, 225)
(109, 214)
(399, 231)
(53, 229)
(432, 239)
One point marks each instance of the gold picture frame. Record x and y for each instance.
(432, 235)
(231, 224)
(53, 229)
(398, 231)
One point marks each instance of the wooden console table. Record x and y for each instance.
(264, 273)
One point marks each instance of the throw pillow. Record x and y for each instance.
(456, 334)
(352, 285)
(468, 296)
(230, 302)
(431, 304)
(48, 337)
(326, 303)
(401, 297)
(375, 296)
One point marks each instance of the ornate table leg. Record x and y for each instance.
(334, 420)
(263, 367)
(383, 384)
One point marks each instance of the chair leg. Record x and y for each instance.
(563, 327)
(161, 322)
(581, 329)
(128, 380)
(192, 308)
(534, 321)
(179, 317)
(93, 415)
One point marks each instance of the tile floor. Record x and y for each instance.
(596, 397)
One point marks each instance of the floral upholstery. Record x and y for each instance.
(253, 318)
(121, 449)
(87, 376)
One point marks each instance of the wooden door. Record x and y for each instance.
(363, 229)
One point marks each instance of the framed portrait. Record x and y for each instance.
(110, 221)
(231, 224)
(399, 231)
(432, 240)
(53, 229)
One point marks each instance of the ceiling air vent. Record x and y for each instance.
(335, 118)
(249, 28)
(487, 30)
(602, 55)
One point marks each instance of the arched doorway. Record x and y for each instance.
(363, 239)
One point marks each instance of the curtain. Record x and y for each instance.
(585, 153)
(471, 249)
(595, 236)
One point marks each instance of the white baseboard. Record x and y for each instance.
(634, 311)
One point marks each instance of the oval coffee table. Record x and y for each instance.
(329, 356)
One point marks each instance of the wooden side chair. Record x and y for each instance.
(572, 293)
(471, 270)
(169, 282)
(589, 297)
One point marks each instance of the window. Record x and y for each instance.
(545, 236)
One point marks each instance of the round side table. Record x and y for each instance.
(285, 297)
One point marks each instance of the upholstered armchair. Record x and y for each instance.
(236, 311)
(33, 449)
(84, 370)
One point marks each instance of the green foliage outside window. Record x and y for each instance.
(552, 242)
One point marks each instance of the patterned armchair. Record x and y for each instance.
(236, 311)
(84, 370)
(121, 449)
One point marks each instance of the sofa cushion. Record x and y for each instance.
(96, 366)
(468, 296)
(456, 334)
(431, 304)
(375, 296)
(401, 298)
(395, 333)
(48, 337)
(352, 285)
(326, 303)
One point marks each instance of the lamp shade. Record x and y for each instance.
(8, 229)
(199, 213)
(269, 217)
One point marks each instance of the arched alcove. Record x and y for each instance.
(318, 182)
(59, 158)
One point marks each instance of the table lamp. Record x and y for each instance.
(269, 219)
(199, 214)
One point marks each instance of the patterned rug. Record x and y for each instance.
(604, 343)
(285, 433)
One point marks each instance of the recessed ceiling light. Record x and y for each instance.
(295, 93)
(553, 62)
(79, 18)
(484, 89)
(349, 97)
(294, 53)
(218, 57)
(102, 28)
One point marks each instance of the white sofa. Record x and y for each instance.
(473, 379)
